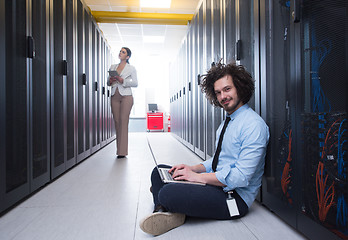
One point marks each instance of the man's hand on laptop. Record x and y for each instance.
(184, 172)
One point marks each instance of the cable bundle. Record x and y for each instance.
(318, 53)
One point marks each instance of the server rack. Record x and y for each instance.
(94, 88)
(216, 54)
(322, 40)
(42, 103)
(71, 59)
(2, 98)
(305, 179)
(62, 87)
(278, 187)
(81, 83)
(190, 91)
(88, 84)
(14, 103)
(207, 53)
(199, 66)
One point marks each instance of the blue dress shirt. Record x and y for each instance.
(242, 157)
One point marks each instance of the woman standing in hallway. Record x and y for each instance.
(121, 98)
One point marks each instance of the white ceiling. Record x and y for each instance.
(132, 35)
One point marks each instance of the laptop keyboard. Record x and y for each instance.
(166, 174)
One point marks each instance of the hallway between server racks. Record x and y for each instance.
(105, 198)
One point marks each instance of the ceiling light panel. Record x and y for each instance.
(153, 39)
(154, 30)
(155, 3)
(129, 29)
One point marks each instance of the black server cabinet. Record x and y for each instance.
(186, 92)
(94, 90)
(99, 87)
(103, 99)
(108, 129)
(322, 118)
(46, 95)
(70, 97)
(245, 55)
(83, 82)
(62, 89)
(217, 54)
(14, 117)
(305, 62)
(199, 65)
(39, 91)
(182, 57)
(111, 131)
(88, 73)
(230, 31)
(209, 109)
(25, 106)
(278, 187)
(189, 92)
(197, 114)
(2, 100)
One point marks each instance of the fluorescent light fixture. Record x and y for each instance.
(153, 39)
(155, 3)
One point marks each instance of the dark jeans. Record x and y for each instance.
(194, 200)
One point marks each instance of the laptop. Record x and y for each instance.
(164, 172)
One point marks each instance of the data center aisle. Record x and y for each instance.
(105, 198)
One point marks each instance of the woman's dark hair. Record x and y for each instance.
(242, 80)
(129, 53)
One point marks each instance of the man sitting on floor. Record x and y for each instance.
(232, 177)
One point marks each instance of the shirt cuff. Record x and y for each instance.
(222, 174)
(207, 165)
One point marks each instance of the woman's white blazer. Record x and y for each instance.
(129, 74)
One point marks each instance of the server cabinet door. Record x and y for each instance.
(183, 62)
(81, 83)
(197, 110)
(278, 182)
(14, 164)
(245, 19)
(104, 93)
(322, 119)
(58, 88)
(194, 87)
(2, 99)
(40, 92)
(217, 54)
(190, 93)
(230, 31)
(70, 84)
(88, 74)
(200, 71)
(99, 91)
(210, 130)
(62, 88)
(94, 90)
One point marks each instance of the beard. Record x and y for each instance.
(231, 107)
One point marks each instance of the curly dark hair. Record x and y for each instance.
(242, 80)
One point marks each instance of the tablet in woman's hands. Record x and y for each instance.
(113, 73)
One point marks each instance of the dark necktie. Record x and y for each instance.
(218, 149)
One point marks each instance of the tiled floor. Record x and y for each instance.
(105, 198)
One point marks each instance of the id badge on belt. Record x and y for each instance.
(232, 204)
